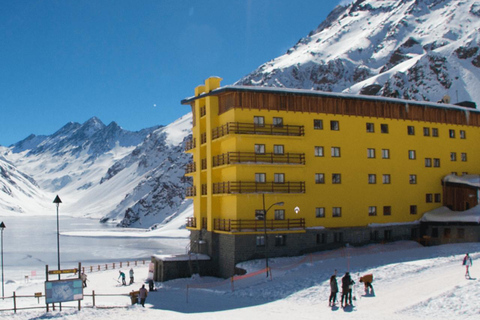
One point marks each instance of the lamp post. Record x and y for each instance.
(265, 228)
(57, 201)
(2, 226)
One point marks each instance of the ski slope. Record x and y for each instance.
(410, 282)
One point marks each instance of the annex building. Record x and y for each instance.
(327, 169)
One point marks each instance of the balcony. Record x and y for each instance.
(190, 144)
(249, 225)
(251, 128)
(190, 167)
(192, 223)
(252, 157)
(230, 187)
(191, 192)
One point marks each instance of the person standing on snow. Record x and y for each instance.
(122, 275)
(346, 283)
(84, 279)
(467, 262)
(131, 275)
(142, 294)
(333, 291)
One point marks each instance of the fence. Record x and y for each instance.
(73, 304)
(113, 266)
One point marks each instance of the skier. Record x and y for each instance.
(142, 294)
(467, 262)
(122, 275)
(346, 289)
(84, 279)
(333, 291)
(131, 275)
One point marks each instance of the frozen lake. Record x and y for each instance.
(30, 243)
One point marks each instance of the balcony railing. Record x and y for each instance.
(252, 157)
(190, 167)
(257, 225)
(203, 138)
(257, 187)
(190, 144)
(192, 222)
(203, 111)
(191, 192)
(251, 128)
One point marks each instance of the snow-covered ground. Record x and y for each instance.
(410, 282)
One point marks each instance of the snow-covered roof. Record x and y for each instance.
(329, 94)
(181, 257)
(468, 179)
(444, 214)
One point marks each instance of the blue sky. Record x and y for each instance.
(132, 61)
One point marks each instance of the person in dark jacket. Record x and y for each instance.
(346, 289)
(333, 291)
(142, 294)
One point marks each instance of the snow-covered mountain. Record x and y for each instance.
(105, 172)
(412, 49)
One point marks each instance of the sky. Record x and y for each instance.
(132, 62)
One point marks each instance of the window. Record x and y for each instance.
(336, 212)
(259, 214)
(436, 162)
(411, 130)
(374, 235)
(386, 179)
(387, 210)
(318, 151)
(260, 177)
(463, 134)
(317, 124)
(279, 177)
(413, 179)
(438, 197)
(370, 127)
(453, 156)
(464, 156)
(370, 153)
(460, 233)
(387, 234)
(413, 209)
(279, 214)
(434, 132)
(319, 178)
(334, 125)
(259, 148)
(280, 240)
(451, 133)
(321, 238)
(338, 237)
(426, 131)
(428, 198)
(447, 233)
(384, 128)
(259, 121)
(428, 162)
(372, 178)
(260, 241)
(372, 211)
(335, 152)
(278, 149)
(336, 178)
(277, 122)
(411, 155)
(385, 153)
(320, 212)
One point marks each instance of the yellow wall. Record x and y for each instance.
(354, 195)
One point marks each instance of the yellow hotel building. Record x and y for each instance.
(328, 169)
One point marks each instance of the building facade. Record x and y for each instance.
(328, 169)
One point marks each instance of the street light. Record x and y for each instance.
(57, 201)
(2, 226)
(265, 228)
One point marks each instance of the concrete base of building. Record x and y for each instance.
(226, 250)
